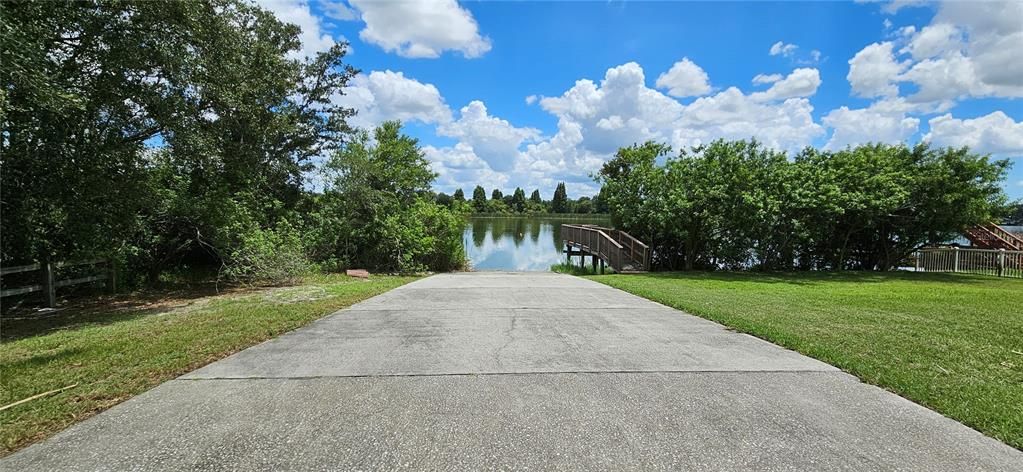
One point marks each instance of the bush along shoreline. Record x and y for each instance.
(738, 205)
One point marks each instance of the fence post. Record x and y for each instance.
(1001, 261)
(112, 275)
(49, 292)
(917, 256)
(955, 266)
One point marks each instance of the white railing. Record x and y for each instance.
(997, 262)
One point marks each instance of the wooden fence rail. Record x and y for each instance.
(47, 277)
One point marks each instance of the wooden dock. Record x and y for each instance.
(606, 247)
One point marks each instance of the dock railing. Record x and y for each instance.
(617, 248)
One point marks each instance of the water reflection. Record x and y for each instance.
(501, 243)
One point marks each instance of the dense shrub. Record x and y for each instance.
(740, 205)
(268, 256)
(423, 237)
(376, 211)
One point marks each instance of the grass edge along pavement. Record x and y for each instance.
(951, 343)
(114, 354)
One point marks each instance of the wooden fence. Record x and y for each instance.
(48, 282)
(996, 262)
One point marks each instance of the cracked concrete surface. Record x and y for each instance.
(516, 371)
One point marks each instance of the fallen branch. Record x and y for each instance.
(33, 397)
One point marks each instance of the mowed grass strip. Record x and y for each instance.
(117, 354)
(952, 343)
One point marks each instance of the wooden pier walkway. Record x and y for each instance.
(612, 247)
(992, 236)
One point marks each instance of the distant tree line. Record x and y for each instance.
(740, 205)
(1014, 214)
(498, 203)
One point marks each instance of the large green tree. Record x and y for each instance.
(375, 213)
(150, 130)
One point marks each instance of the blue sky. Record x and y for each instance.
(509, 94)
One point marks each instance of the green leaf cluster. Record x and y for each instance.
(740, 205)
(377, 213)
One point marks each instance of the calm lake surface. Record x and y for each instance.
(521, 243)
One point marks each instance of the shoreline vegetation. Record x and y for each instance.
(558, 216)
(948, 342)
(577, 270)
(741, 205)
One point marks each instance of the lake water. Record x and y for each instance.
(523, 243)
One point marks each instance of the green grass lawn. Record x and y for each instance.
(114, 352)
(951, 343)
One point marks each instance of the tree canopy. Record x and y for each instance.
(375, 212)
(169, 133)
(740, 205)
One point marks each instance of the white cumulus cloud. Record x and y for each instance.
(874, 71)
(493, 139)
(787, 126)
(885, 121)
(684, 79)
(934, 40)
(422, 29)
(995, 133)
(969, 49)
(801, 82)
(458, 166)
(387, 95)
